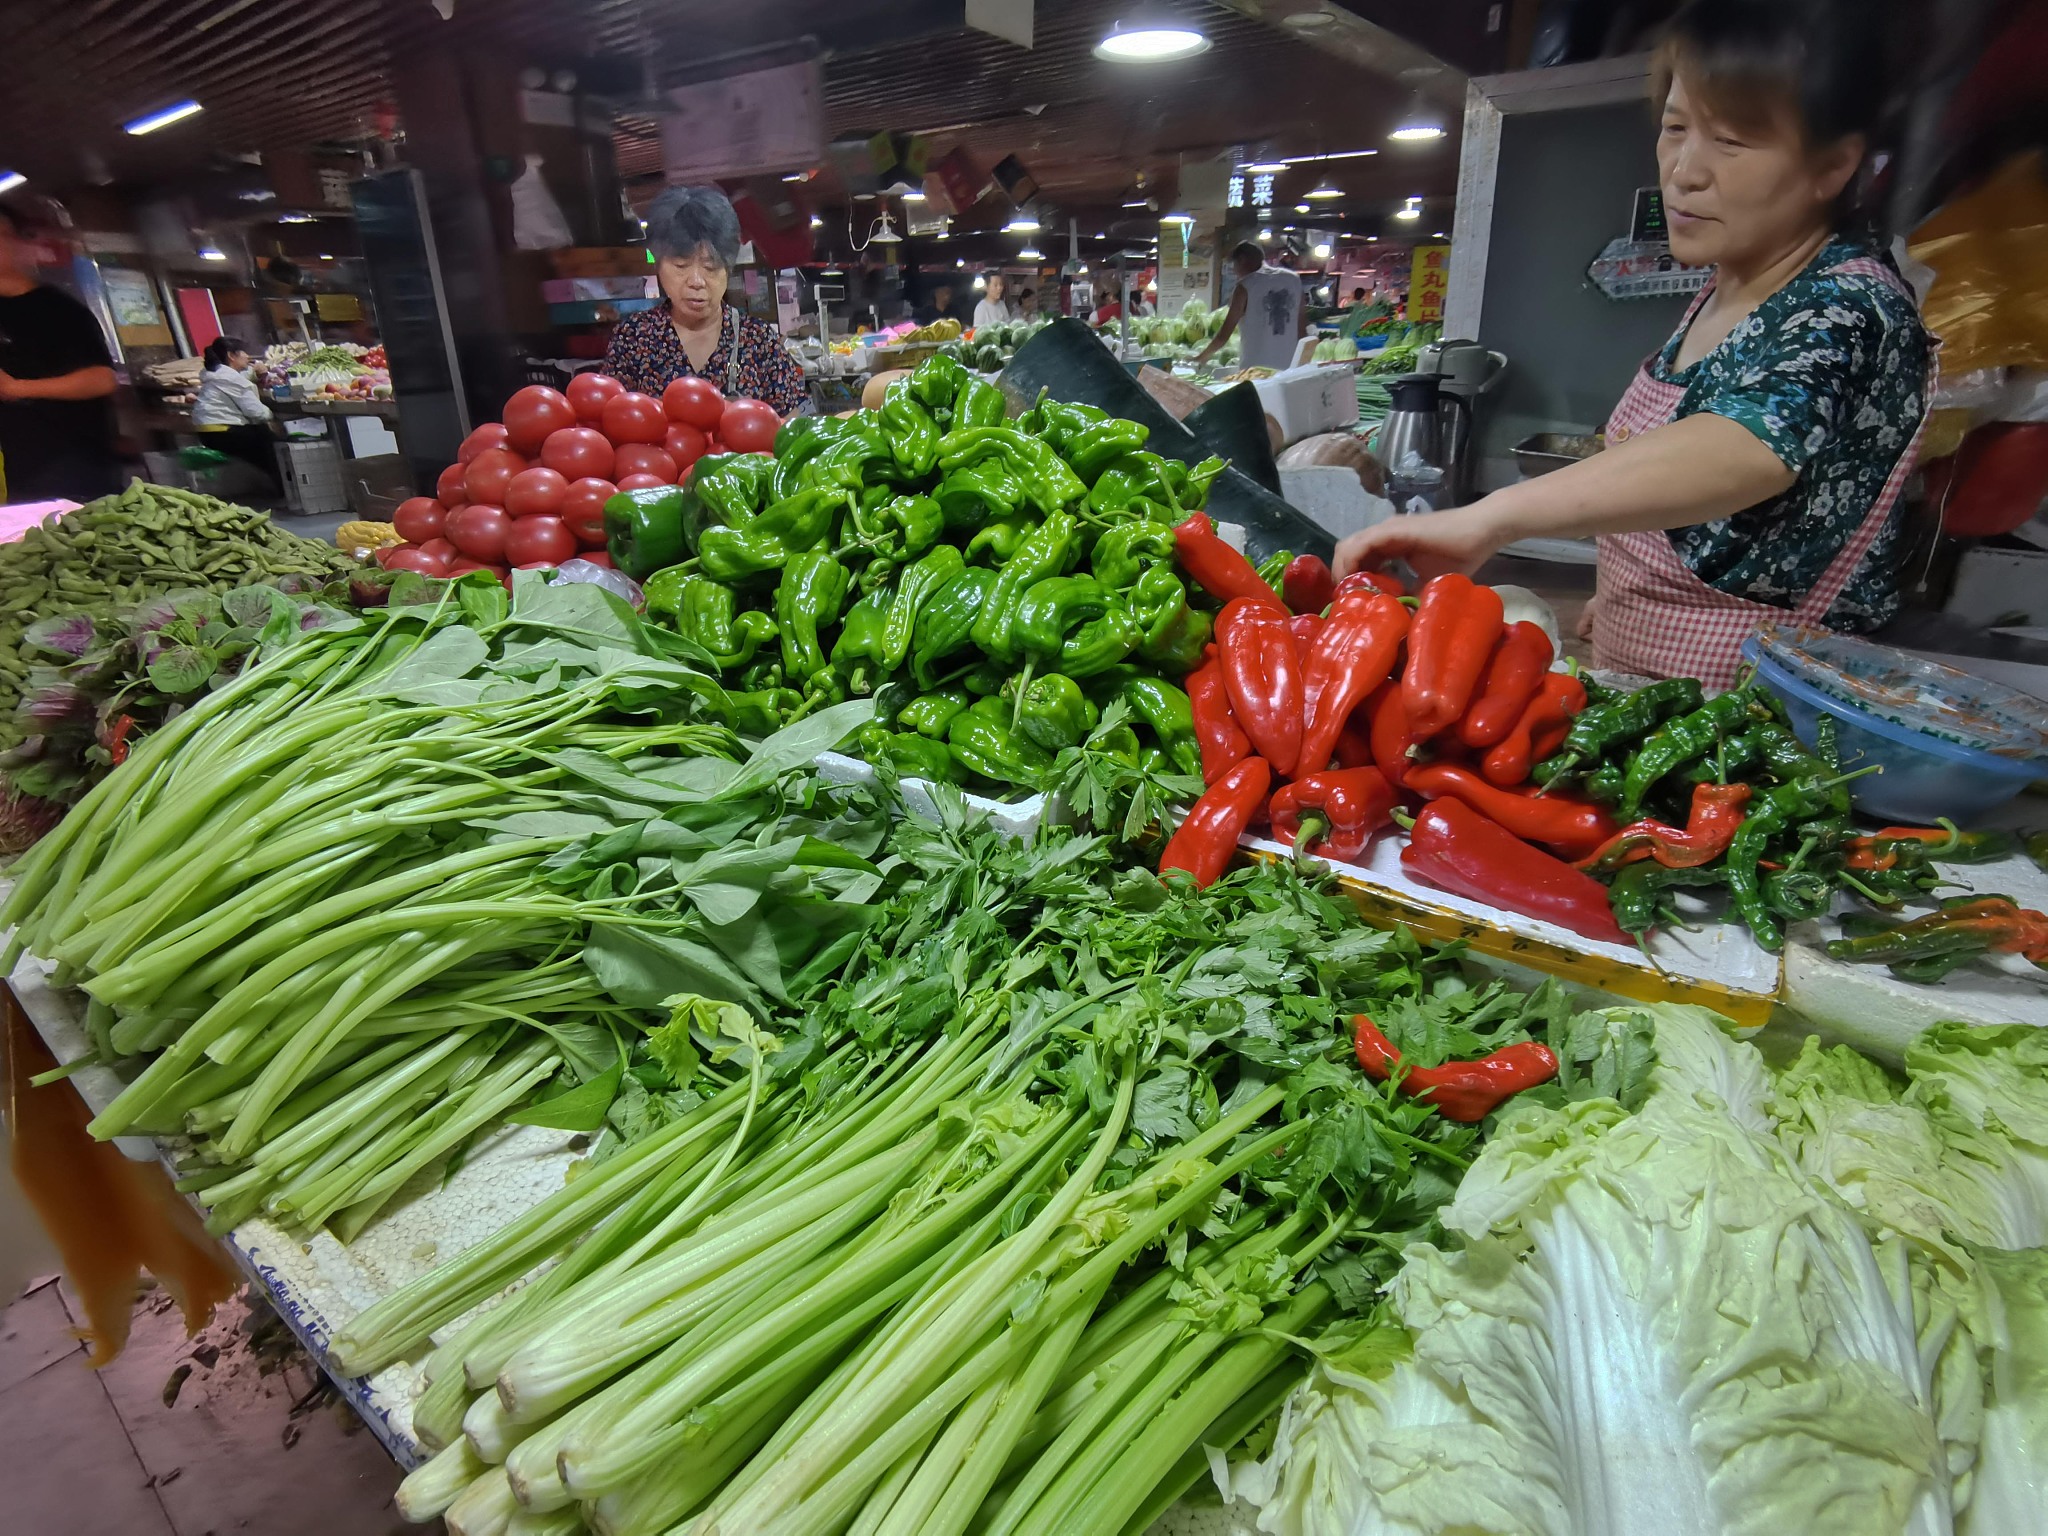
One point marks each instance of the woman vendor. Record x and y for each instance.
(1753, 468)
(695, 236)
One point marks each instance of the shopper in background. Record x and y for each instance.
(56, 385)
(1267, 305)
(938, 307)
(992, 310)
(695, 236)
(1027, 304)
(1753, 470)
(230, 414)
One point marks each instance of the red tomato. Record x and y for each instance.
(535, 492)
(575, 452)
(545, 540)
(598, 557)
(588, 393)
(441, 550)
(748, 426)
(645, 459)
(479, 531)
(685, 444)
(633, 418)
(641, 482)
(694, 402)
(535, 413)
(403, 557)
(489, 473)
(491, 434)
(419, 519)
(464, 567)
(589, 531)
(448, 489)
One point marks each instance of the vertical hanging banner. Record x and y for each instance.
(963, 180)
(745, 125)
(1429, 280)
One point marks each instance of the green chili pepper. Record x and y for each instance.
(1786, 756)
(913, 435)
(946, 622)
(1053, 712)
(1047, 482)
(1051, 610)
(983, 741)
(1130, 550)
(1627, 720)
(896, 527)
(1273, 569)
(1000, 540)
(1093, 448)
(1171, 716)
(644, 530)
(984, 680)
(1769, 815)
(1637, 895)
(978, 404)
(800, 440)
(1191, 485)
(857, 653)
(1725, 762)
(929, 714)
(1044, 554)
(703, 612)
(1140, 485)
(920, 584)
(808, 599)
(1798, 895)
(763, 712)
(1171, 634)
(763, 676)
(915, 757)
(1680, 740)
(936, 383)
(770, 541)
(975, 495)
(860, 457)
(1099, 644)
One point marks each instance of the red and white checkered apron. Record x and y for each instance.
(1654, 617)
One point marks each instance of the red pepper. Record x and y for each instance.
(1305, 627)
(1354, 742)
(1307, 584)
(1344, 808)
(117, 739)
(1465, 1091)
(1449, 644)
(1208, 838)
(1370, 581)
(1716, 815)
(1262, 673)
(1223, 741)
(1393, 739)
(1545, 722)
(1520, 662)
(1573, 827)
(1455, 847)
(1214, 566)
(1352, 656)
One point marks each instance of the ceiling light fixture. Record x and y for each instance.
(1416, 133)
(1307, 21)
(1372, 239)
(1412, 209)
(1176, 218)
(794, 176)
(816, 222)
(1301, 208)
(913, 196)
(212, 253)
(295, 218)
(980, 282)
(1023, 224)
(9, 180)
(1031, 253)
(832, 271)
(1323, 193)
(1341, 154)
(163, 119)
(1323, 251)
(1146, 42)
(1265, 166)
(1265, 234)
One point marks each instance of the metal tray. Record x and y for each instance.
(1545, 451)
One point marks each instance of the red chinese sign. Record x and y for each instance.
(1429, 279)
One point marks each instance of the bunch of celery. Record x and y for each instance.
(377, 893)
(1080, 1158)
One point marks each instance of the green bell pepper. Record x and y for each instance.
(704, 612)
(946, 622)
(857, 653)
(913, 435)
(978, 404)
(929, 714)
(1130, 549)
(1172, 634)
(983, 741)
(644, 530)
(977, 494)
(1045, 553)
(1054, 713)
(1051, 610)
(915, 757)
(1000, 540)
(808, 599)
(767, 542)
(1170, 714)
(920, 584)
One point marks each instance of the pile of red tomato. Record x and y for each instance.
(528, 492)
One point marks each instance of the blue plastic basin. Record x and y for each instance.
(1924, 776)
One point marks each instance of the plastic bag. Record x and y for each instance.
(592, 574)
(537, 222)
(1989, 304)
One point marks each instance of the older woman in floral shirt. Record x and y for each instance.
(1754, 467)
(695, 236)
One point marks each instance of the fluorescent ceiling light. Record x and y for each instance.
(1023, 224)
(1030, 253)
(1265, 234)
(816, 222)
(1265, 166)
(1323, 193)
(913, 196)
(830, 272)
(325, 257)
(9, 180)
(295, 218)
(1176, 218)
(1407, 213)
(794, 176)
(163, 119)
(1139, 43)
(979, 281)
(943, 235)
(1323, 252)
(1140, 203)
(1416, 133)
(212, 253)
(1372, 239)
(1301, 208)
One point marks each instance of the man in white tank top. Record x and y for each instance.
(1267, 303)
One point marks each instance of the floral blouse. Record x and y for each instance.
(1830, 373)
(750, 362)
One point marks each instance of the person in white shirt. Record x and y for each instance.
(230, 414)
(992, 310)
(1268, 304)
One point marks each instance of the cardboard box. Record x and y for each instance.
(1305, 401)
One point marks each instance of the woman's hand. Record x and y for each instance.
(1460, 540)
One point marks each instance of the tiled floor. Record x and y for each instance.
(231, 1431)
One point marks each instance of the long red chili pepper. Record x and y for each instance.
(1223, 741)
(1208, 837)
(1455, 847)
(1392, 738)
(1333, 814)
(1262, 674)
(1449, 644)
(1307, 585)
(1716, 815)
(1573, 827)
(1465, 1091)
(1351, 657)
(1520, 660)
(1215, 567)
(1370, 581)
(1545, 722)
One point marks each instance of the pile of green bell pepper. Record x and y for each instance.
(992, 581)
